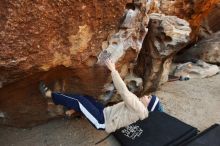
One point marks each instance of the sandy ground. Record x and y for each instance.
(196, 102)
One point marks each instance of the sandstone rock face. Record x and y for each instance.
(63, 38)
(166, 36)
(207, 50)
(194, 11)
(198, 69)
(63, 42)
(123, 47)
(40, 35)
(210, 24)
(54, 41)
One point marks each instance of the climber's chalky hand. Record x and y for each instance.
(110, 64)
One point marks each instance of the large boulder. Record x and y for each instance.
(167, 35)
(196, 69)
(62, 43)
(210, 23)
(207, 50)
(54, 41)
(194, 11)
(37, 36)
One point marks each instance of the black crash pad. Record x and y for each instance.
(159, 129)
(209, 137)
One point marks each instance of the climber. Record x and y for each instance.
(108, 118)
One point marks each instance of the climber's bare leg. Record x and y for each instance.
(48, 94)
(70, 112)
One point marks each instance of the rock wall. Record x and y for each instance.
(54, 41)
(207, 50)
(194, 11)
(167, 35)
(210, 24)
(61, 42)
(39, 35)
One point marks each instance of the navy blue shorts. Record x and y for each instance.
(87, 105)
